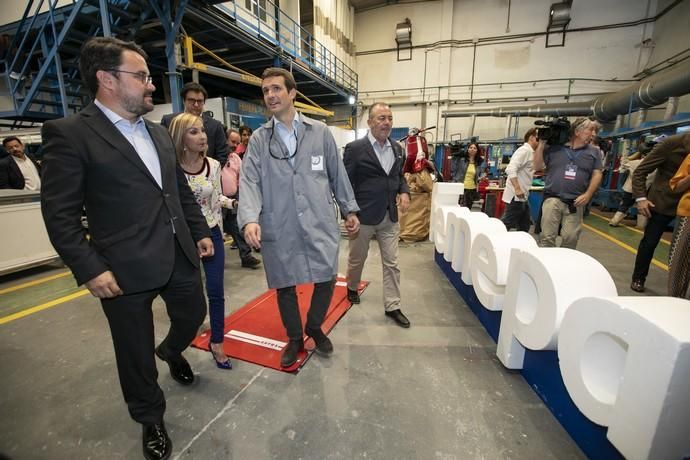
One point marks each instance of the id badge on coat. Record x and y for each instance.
(317, 162)
(570, 172)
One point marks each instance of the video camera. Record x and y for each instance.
(554, 132)
(458, 148)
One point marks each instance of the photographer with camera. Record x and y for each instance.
(573, 174)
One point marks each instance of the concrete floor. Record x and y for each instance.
(434, 391)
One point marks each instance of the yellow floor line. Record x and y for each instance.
(622, 245)
(34, 282)
(634, 229)
(43, 306)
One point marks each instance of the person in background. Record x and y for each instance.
(245, 134)
(374, 165)
(469, 171)
(520, 173)
(146, 230)
(18, 170)
(679, 254)
(659, 203)
(194, 97)
(419, 175)
(630, 163)
(573, 174)
(290, 174)
(203, 177)
(230, 177)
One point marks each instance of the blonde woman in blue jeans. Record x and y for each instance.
(203, 177)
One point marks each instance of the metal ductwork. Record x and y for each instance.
(649, 92)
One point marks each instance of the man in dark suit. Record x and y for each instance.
(375, 167)
(194, 97)
(147, 231)
(660, 202)
(18, 170)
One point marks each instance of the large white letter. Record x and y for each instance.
(471, 228)
(541, 284)
(446, 223)
(490, 259)
(443, 194)
(625, 362)
(464, 222)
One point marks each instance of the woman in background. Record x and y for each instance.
(679, 255)
(245, 134)
(469, 171)
(203, 176)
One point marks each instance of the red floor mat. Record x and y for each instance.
(255, 333)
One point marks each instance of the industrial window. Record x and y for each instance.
(258, 7)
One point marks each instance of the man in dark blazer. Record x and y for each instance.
(147, 231)
(194, 97)
(375, 167)
(11, 174)
(659, 203)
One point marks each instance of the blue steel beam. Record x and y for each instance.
(51, 56)
(171, 29)
(105, 18)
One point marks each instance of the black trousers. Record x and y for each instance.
(656, 225)
(517, 216)
(131, 325)
(289, 308)
(230, 226)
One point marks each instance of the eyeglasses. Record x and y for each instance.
(143, 77)
(195, 101)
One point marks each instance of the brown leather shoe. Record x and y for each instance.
(637, 286)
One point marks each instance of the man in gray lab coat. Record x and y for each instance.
(290, 174)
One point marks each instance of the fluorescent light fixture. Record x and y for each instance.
(351, 99)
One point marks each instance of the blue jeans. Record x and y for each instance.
(213, 269)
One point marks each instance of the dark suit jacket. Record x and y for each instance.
(10, 174)
(88, 162)
(217, 139)
(665, 158)
(375, 191)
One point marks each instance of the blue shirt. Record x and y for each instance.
(289, 137)
(140, 139)
(384, 154)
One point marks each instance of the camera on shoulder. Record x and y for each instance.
(554, 132)
(459, 148)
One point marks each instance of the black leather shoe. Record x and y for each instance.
(352, 296)
(324, 346)
(290, 353)
(399, 318)
(637, 285)
(157, 444)
(251, 262)
(180, 370)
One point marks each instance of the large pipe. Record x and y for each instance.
(646, 93)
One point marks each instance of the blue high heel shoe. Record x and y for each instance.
(227, 365)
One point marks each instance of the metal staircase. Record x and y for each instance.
(41, 67)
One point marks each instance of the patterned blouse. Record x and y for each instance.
(205, 185)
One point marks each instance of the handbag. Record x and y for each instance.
(229, 176)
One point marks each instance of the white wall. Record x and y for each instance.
(12, 10)
(597, 54)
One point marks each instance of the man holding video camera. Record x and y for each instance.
(573, 174)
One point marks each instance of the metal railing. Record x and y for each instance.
(270, 23)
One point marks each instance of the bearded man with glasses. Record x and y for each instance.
(147, 232)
